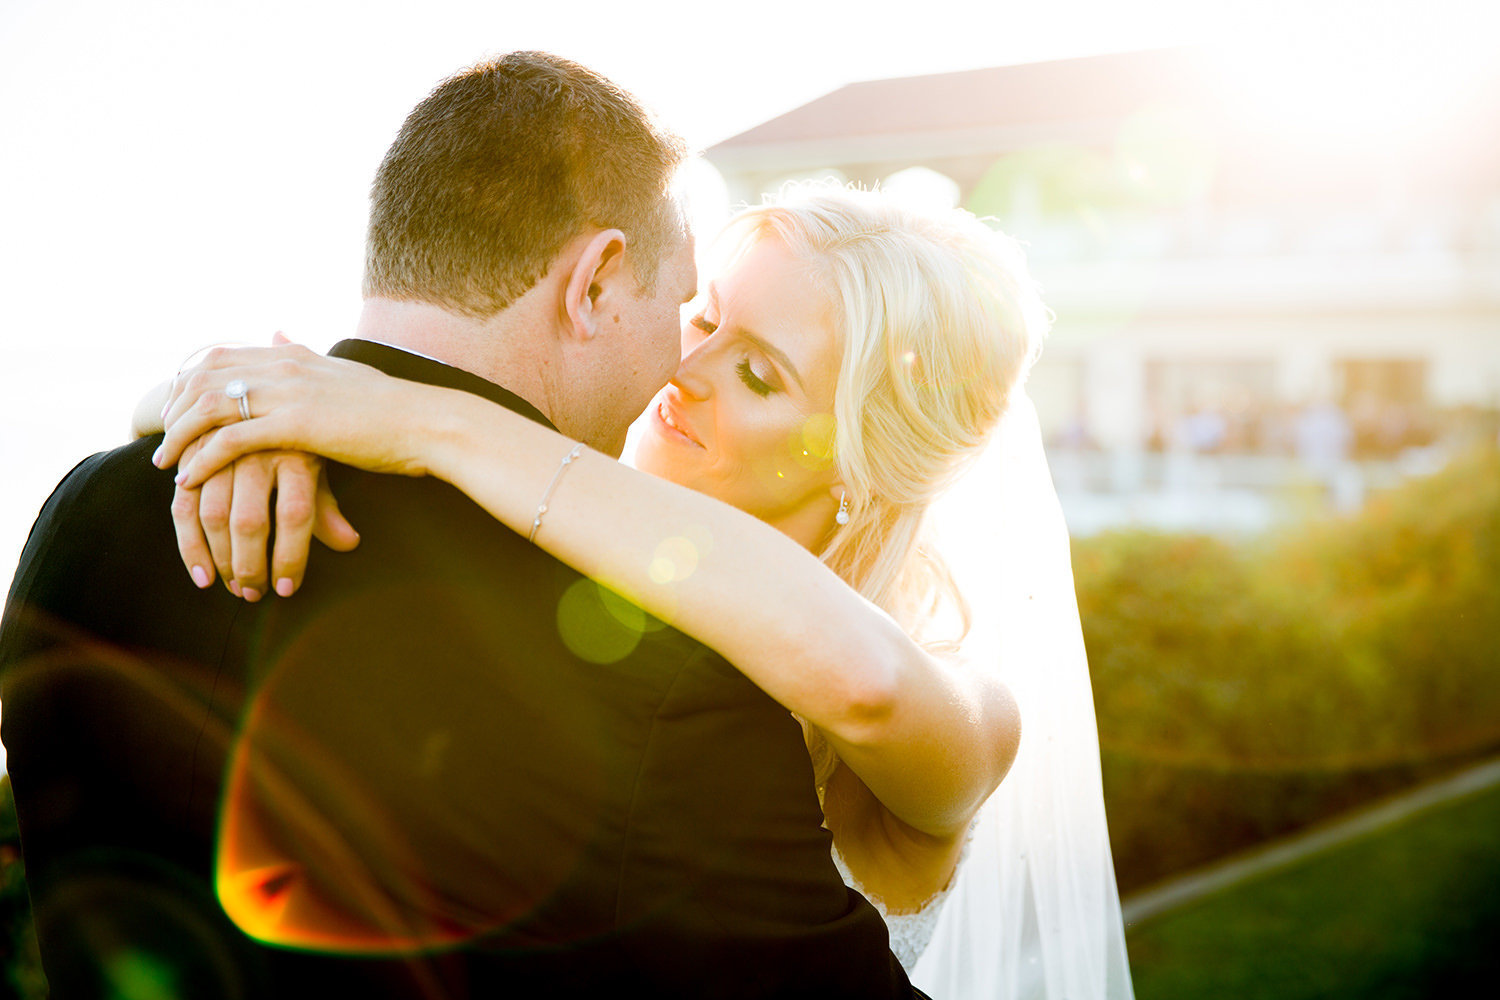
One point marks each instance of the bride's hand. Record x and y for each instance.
(224, 526)
(299, 401)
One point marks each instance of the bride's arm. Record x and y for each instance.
(930, 740)
(146, 420)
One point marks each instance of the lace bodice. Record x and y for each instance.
(910, 932)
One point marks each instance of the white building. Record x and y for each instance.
(1220, 273)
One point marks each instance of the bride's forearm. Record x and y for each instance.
(721, 575)
(929, 741)
(146, 420)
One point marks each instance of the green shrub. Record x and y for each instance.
(20, 968)
(1413, 588)
(1246, 689)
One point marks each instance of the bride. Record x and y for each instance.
(847, 365)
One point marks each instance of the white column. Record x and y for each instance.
(1114, 385)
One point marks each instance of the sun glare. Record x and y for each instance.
(707, 201)
(1336, 73)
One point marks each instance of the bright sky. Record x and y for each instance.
(180, 172)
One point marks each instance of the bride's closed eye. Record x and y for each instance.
(756, 383)
(752, 381)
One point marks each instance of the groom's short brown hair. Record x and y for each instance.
(499, 167)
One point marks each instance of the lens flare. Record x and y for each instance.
(811, 444)
(138, 975)
(360, 795)
(597, 624)
(675, 560)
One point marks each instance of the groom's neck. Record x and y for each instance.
(497, 349)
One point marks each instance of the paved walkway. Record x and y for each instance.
(1201, 882)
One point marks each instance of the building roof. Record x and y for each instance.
(959, 123)
(1090, 88)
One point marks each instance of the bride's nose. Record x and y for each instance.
(691, 378)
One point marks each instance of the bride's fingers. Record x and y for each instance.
(225, 446)
(330, 526)
(194, 385)
(218, 366)
(249, 523)
(297, 478)
(185, 422)
(191, 545)
(215, 500)
(227, 356)
(294, 374)
(217, 359)
(206, 407)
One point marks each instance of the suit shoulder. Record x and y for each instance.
(106, 476)
(106, 485)
(109, 496)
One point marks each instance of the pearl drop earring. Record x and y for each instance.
(842, 517)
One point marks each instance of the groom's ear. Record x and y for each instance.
(593, 281)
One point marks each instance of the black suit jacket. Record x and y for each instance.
(446, 733)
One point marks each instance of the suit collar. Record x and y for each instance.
(417, 368)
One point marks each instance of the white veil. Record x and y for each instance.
(1035, 913)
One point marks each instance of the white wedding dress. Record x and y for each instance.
(1033, 912)
(910, 932)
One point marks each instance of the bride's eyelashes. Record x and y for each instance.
(755, 383)
(752, 381)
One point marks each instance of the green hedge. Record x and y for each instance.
(20, 968)
(1246, 689)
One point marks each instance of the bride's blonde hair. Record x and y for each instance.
(939, 321)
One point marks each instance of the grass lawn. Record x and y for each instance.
(1409, 911)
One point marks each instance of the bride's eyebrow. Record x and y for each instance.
(760, 343)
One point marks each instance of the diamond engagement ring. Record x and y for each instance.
(238, 390)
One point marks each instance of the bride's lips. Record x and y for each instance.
(669, 422)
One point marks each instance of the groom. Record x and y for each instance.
(449, 766)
